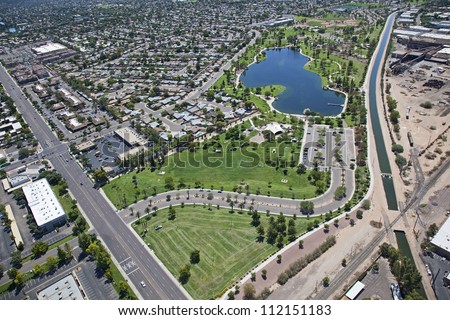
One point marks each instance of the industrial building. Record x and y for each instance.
(65, 289)
(442, 240)
(45, 207)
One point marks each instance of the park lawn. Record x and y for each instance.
(227, 242)
(315, 23)
(227, 170)
(65, 200)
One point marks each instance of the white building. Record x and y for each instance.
(442, 240)
(65, 289)
(45, 207)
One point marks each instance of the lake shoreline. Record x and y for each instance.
(271, 101)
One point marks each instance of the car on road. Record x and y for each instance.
(143, 285)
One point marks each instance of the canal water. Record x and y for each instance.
(382, 155)
(303, 88)
(405, 250)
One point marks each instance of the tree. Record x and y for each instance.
(339, 193)
(280, 240)
(426, 105)
(300, 244)
(359, 214)
(307, 207)
(100, 176)
(264, 273)
(326, 281)
(326, 227)
(68, 248)
(24, 153)
(231, 295)
(16, 259)
(62, 255)
(344, 262)
(366, 204)
(301, 169)
(51, 263)
(38, 270)
(256, 219)
(185, 274)
(282, 278)
(195, 257)
(260, 231)
(39, 249)
(84, 240)
(249, 291)
(123, 289)
(103, 259)
(292, 231)
(400, 161)
(12, 273)
(172, 213)
(397, 148)
(394, 116)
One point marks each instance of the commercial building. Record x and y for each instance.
(442, 240)
(45, 207)
(130, 137)
(47, 48)
(355, 290)
(85, 146)
(14, 228)
(65, 289)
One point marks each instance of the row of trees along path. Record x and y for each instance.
(309, 244)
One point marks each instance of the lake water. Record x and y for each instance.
(303, 88)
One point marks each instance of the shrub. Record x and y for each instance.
(282, 278)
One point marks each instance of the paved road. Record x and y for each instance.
(322, 204)
(131, 254)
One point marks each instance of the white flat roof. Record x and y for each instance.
(406, 32)
(355, 290)
(444, 51)
(49, 47)
(436, 36)
(64, 289)
(442, 238)
(130, 136)
(43, 202)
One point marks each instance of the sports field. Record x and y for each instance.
(227, 242)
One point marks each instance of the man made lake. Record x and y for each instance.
(303, 88)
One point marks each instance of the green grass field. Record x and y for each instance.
(227, 242)
(227, 170)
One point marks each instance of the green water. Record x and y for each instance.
(405, 250)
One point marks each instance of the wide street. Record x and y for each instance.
(125, 247)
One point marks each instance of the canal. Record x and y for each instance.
(383, 160)
(405, 250)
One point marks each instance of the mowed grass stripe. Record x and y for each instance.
(227, 244)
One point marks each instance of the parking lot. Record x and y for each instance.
(95, 287)
(377, 284)
(106, 151)
(439, 268)
(321, 142)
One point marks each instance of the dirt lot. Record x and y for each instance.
(427, 125)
